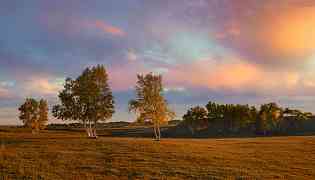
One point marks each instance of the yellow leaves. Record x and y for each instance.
(150, 103)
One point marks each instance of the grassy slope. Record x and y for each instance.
(69, 155)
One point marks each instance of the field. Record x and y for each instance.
(70, 155)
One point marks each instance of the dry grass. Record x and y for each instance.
(70, 155)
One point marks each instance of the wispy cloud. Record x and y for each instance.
(4, 93)
(44, 86)
(106, 28)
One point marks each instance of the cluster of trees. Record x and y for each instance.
(34, 114)
(88, 99)
(235, 119)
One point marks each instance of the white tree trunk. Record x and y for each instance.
(158, 131)
(155, 130)
(94, 130)
(86, 129)
(90, 129)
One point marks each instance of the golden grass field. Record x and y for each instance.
(70, 155)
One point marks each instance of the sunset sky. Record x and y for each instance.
(228, 51)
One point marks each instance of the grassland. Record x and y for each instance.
(70, 155)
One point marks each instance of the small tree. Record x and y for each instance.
(150, 104)
(34, 114)
(43, 113)
(88, 99)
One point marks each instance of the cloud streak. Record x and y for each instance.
(4, 93)
(115, 31)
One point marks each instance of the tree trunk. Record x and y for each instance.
(87, 129)
(90, 129)
(158, 130)
(155, 130)
(94, 130)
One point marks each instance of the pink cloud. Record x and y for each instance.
(73, 25)
(44, 86)
(4, 93)
(215, 76)
(234, 76)
(230, 30)
(107, 28)
(41, 85)
(124, 76)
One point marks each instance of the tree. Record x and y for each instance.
(34, 114)
(196, 119)
(269, 118)
(87, 99)
(150, 104)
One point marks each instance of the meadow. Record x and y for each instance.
(71, 155)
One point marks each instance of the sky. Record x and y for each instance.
(227, 51)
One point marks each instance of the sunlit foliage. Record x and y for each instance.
(87, 99)
(34, 114)
(150, 104)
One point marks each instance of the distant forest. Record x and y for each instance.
(243, 120)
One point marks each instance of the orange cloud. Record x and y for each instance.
(216, 76)
(108, 28)
(278, 34)
(290, 33)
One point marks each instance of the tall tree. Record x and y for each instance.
(150, 104)
(87, 99)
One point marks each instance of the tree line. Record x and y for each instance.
(88, 99)
(227, 119)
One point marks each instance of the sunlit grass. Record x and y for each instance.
(70, 155)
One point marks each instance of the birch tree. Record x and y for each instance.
(87, 99)
(150, 104)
